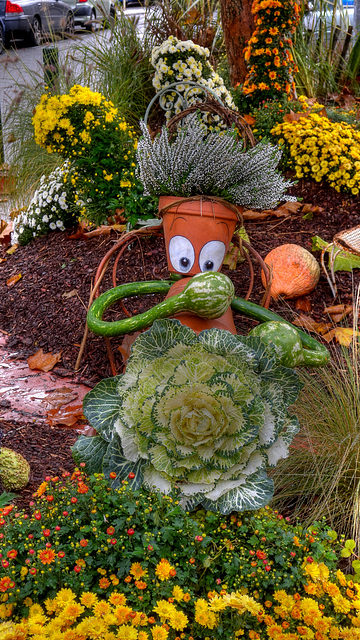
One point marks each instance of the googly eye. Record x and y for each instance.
(211, 256)
(181, 254)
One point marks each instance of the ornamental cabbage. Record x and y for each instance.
(207, 413)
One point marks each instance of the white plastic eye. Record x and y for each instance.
(211, 256)
(181, 253)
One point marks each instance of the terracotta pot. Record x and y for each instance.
(196, 323)
(197, 234)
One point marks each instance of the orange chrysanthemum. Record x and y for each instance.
(47, 556)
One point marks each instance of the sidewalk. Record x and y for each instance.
(28, 395)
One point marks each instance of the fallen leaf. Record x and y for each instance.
(13, 280)
(287, 207)
(192, 16)
(69, 294)
(303, 304)
(103, 230)
(311, 208)
(249, 214)
(60, 397)
(68, 417)
(12, 249)
(43, 361)
(283, 211)
(338, 312)
(5, 235)
(308, 323)
(295, 117)
(249, 119)
(343, 335)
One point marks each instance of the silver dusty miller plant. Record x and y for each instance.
(196, 162)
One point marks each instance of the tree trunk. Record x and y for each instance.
(238, 25)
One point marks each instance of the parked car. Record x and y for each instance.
(32, 19)
(92, 13)
(2, 25)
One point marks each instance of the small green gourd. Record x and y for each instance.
(287, 343)
(208, 295)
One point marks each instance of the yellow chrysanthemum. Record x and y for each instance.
(178, 620)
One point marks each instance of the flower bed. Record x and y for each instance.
(91, 562)
(321, 149)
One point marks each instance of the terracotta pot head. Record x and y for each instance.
(197, 235)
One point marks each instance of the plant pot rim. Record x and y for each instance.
(207, 206)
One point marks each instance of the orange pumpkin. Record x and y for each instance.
(295, 272)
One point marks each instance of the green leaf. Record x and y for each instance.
(356, 566)
(350, 544)
(318, 244)
(332, 535)
(255, 493)
(114, 461)
(163, 334)
(345, 553)
(308, 216)
(6, 498)
(101, 406)
(91, 451)
(344, 260)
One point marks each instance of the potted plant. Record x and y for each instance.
(200, 174)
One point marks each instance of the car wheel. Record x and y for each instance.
(35, 34)
(91, 26)
(69, 25)
(112, 17)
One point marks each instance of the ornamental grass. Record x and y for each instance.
(321, 477)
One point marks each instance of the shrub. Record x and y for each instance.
(82, 535)
(268, 51)
(321, 149)
(53, 207)
(85, 127)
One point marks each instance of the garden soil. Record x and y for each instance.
(46, 308)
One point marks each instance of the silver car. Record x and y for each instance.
(32, 19)
(93, 13)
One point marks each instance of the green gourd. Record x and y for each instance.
(287, 343)
(208, 295)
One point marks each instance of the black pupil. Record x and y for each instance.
(184, 262)
(209, 265)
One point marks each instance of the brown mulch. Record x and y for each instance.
(35, 313)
